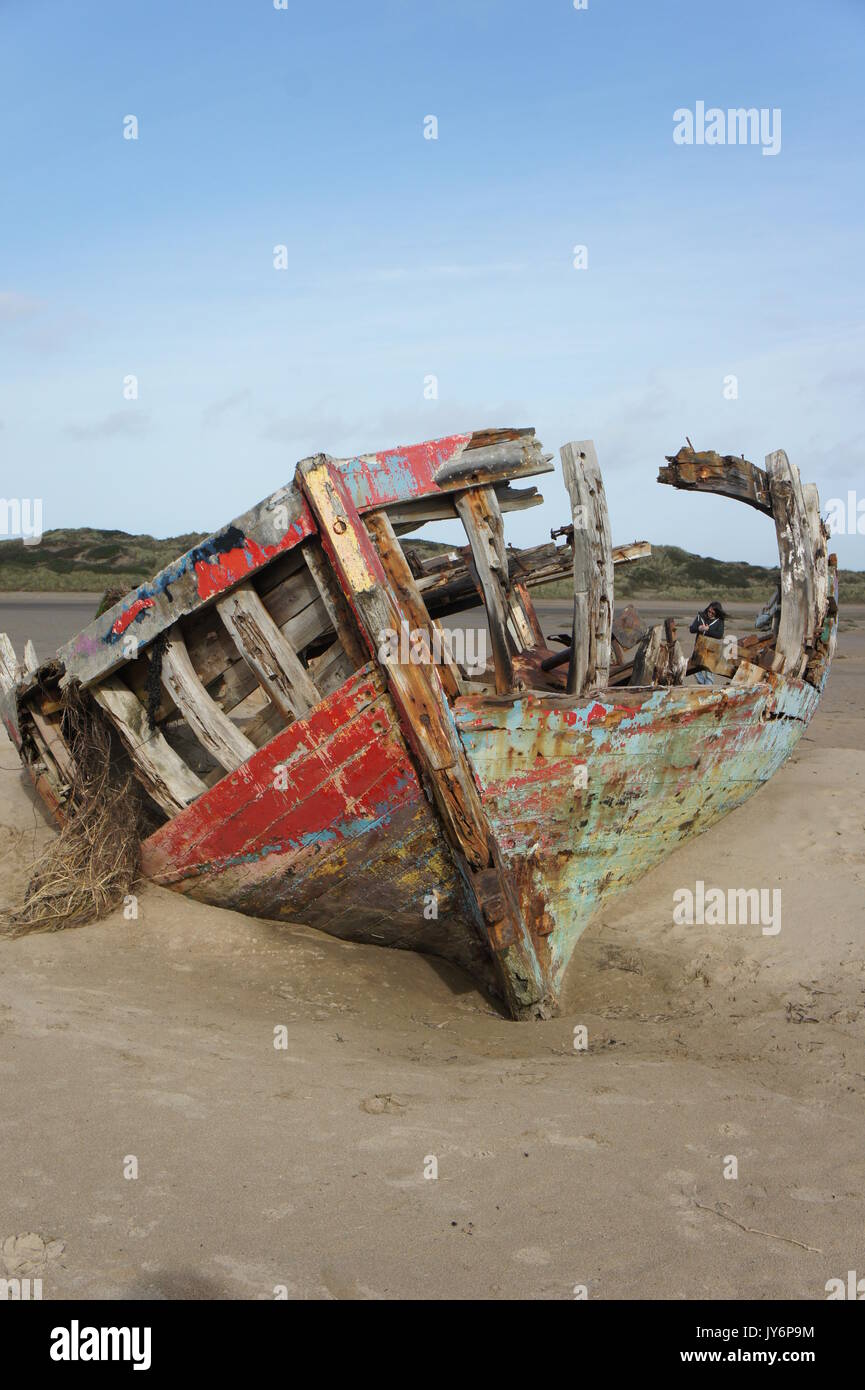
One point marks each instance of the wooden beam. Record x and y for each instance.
(819, 537)
(162, 772)
(797, 565)
(482, 521)
(495, 463)
(211, 725)
(409, 598)
(410, 516)
(267, 652)
(589, 667)
(725, 474)
(334, 600)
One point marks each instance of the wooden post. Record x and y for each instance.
(798, 612)
(479, 511)
(589, 667)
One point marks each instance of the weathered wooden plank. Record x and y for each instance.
(409, 598)
(482, 522)
(820, 551)
(797, 565)
(335, 602)
(332, 668)
(625, 554)
(409, 516)
(162, 772)
(747, 675)
(269, 654)
(52, 737)
(589, 668)
(659, 659)
(724, 474)
(8, 694)
(481, 467)
(211, 726)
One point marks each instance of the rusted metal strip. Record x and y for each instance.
(724, 474)
(267, 652)
(589, 667)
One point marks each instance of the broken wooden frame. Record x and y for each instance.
(808, 582)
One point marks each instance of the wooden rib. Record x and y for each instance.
(52, 736)
(334, 600)
(481, 519)
(725, 474)
(408, 595)
(165, 775)
(211, 726)
(589, 668)
(797, 565)
(267, 652)
(537, 635)
(819, 550)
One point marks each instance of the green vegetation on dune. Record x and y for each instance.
(86, 559)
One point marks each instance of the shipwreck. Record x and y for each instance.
(300, 760)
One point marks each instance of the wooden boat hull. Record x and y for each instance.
(584, 797)
(328, 824)
(307, 756)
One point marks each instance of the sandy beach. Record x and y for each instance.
(303, 1168)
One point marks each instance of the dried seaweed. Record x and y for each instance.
(93, 862)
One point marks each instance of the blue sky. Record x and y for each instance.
(410, 257)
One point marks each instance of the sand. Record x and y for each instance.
(302, 1168)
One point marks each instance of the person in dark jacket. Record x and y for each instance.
(708, 623)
